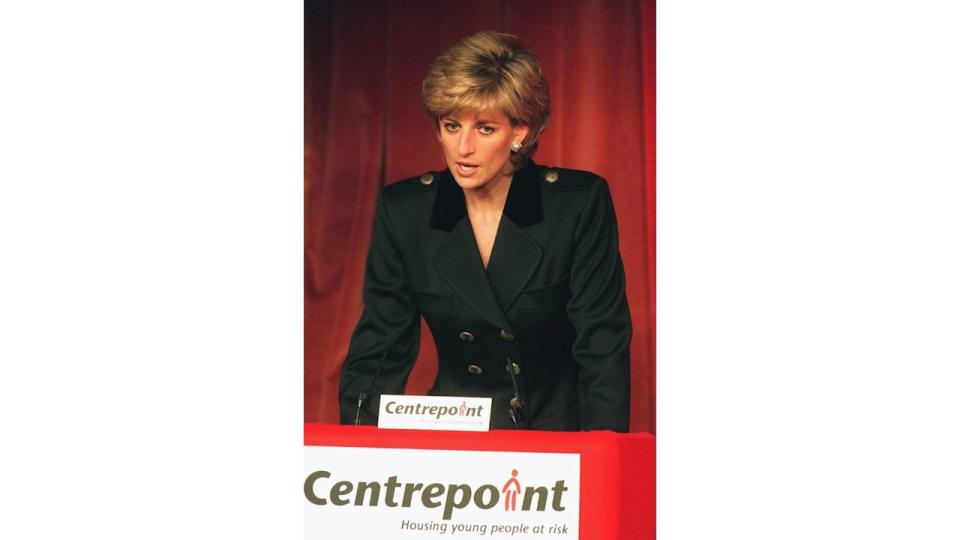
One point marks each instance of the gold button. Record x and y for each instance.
(514, 403)
(474, 369)
(551, 177)
(426, 179)
(466, 336)
(516, 369)
(506, 335)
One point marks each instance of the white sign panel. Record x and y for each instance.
(434, 412)
(380, 493)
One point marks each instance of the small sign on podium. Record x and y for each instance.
(434, 412)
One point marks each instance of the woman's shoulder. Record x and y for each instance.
(414, 184)
(572, 192)
(564, 179)
(406, 201)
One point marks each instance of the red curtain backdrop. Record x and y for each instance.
(365, 127)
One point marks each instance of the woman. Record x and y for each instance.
(514, 266)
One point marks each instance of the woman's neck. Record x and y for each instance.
(487, 201)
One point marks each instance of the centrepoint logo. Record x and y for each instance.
(436, 411)
(392, 493)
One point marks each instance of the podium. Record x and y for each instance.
(617, 487)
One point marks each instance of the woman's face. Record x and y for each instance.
(476, 147)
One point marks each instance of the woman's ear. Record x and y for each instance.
(520, 132)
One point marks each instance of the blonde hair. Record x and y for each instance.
(490, 70)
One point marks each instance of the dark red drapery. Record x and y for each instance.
(364, 126)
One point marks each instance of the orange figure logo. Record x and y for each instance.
(511, 489)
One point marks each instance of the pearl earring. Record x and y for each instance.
(516, 146)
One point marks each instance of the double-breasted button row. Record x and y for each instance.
(474, 369)
(477, 370)
(468, 337)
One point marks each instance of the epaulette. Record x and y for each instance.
(559, 179)
(424, 182)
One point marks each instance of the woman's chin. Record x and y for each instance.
(470, 182)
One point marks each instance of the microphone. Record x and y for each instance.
(516, 404)
(360, 401)
(362, 398)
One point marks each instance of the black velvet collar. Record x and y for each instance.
(524, 206)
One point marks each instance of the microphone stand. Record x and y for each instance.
(362, 398)
(516, 404)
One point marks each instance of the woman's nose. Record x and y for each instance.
(465, 143)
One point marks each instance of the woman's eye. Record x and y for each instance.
(486, 130)
(451, 127)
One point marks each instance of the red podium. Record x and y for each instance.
(617, 470)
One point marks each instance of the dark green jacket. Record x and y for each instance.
(551, 303)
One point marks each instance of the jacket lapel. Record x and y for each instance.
(515, 255)
(458, 261)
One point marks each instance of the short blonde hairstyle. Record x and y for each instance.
(490, 70)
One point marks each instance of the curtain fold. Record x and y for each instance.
(364, 126)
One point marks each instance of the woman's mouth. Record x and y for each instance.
(466, 169)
